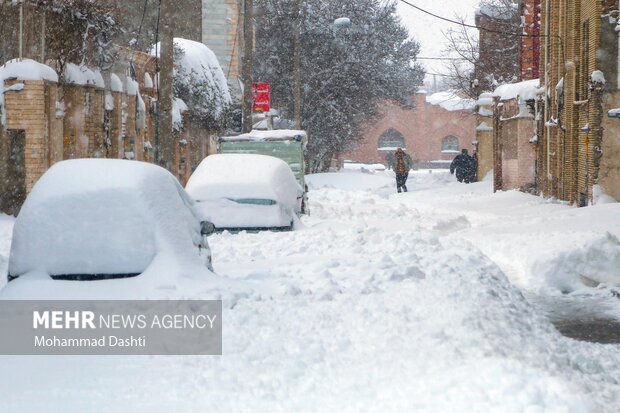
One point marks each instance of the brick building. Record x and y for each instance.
(530, 42)
(579, 147)
(432, 133)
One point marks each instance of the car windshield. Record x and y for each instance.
(254, 201)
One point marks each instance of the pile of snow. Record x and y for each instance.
(598, 77)
(592, 263)
(6, 230)
(485, 99)
(364, 167)
(526, 90)
(351, 181)
(450, 101)
(82, 76)
(101, 217)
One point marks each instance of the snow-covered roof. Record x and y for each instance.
(27, 69)
(526, 90)
(450, 101)
(268, 135)
(82, 76)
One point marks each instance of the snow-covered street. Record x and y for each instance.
(382, 301)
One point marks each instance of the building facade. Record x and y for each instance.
(579, 146)
(222, 31)
(433, 132)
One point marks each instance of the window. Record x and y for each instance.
(391, 139)
(450, 144)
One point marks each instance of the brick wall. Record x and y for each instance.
(530, 44)
(26, 111)
(423, 128)
(578, 153)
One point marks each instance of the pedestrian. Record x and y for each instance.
(465, 167)
(402, 165)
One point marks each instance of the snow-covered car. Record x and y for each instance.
(104, 219)
(246, 192)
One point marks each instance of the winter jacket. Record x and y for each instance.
(403, 163)
(465, 167)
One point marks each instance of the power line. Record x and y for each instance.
(472, 26)
(439, 58)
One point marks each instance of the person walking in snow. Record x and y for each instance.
(402, 165)
(464, 166)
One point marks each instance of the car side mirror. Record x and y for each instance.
(207, 228)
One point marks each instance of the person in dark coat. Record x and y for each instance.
(465, 167)
(402, 165)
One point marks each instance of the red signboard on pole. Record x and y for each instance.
(261, 94)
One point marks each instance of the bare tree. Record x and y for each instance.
(489, 56)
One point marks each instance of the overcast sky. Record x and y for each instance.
(428, 30)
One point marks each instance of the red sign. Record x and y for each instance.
(261, 97)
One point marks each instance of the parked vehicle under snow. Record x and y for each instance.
(246, 191)
(94, 219)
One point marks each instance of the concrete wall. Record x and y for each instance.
(609, 173)
(222, 30)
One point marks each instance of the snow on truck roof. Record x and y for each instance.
(243, 176)
(268, 135)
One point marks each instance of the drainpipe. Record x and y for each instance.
(546, 117)
(21, 29)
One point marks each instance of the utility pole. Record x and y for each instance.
(248, 63)
(166, 61)
(297, 62)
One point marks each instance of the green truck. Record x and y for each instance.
(288, 145)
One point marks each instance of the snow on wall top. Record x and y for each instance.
(178, 108)
(268, 135)
(450, 101)
(200, 60)
(115, 83)
(27, 69)
(83, 76)
(526, 90)
(148, 81)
